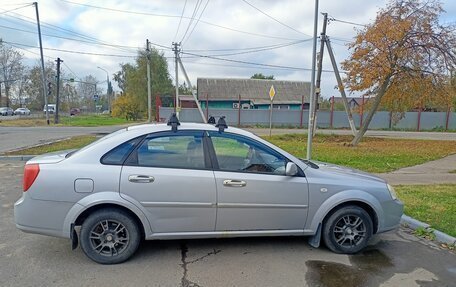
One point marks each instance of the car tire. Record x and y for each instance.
(347, 230)
(109, 236)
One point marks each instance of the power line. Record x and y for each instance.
(176, 16)
(197, 21)
(69, 69)
(195, 11)
(243, 49)
(180, 21)
(73, 52)
(346, 22)
(57, 28)
(250, 63)
(28, 51)
(261, 49)
(71, 39)
(269, 16)
(237, 66)
(7, 11)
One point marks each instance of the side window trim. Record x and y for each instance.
(132, 160)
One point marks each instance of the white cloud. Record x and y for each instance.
(133, 30)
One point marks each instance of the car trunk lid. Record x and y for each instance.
(49, 158)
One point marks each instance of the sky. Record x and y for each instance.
(105, 33)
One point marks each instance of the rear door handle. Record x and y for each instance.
(234, 183)
(141, 178)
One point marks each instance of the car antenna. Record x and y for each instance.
(221, 124)
(173, 122)
(211, 120)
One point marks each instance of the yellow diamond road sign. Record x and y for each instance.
(272, 92)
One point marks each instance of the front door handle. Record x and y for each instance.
(141, 178)
(234, 183)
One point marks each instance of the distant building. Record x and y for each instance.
(254, 93)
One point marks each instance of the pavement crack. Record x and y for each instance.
(214, 252)
(184, 280)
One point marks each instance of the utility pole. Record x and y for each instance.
(176, 56)
(43, 76)
(193, 91)
(312, 84)
(56, 114)
(109, 89)
(149, 84)
(319, 69)
(341, 86)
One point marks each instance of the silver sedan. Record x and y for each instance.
(197, 181)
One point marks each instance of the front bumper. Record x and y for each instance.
(392, 213)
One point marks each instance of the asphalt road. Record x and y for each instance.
(393, 259)
(20, 137)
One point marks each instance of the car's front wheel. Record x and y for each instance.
(347, 230)
(109, 236)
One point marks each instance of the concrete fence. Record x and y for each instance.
(325, 119)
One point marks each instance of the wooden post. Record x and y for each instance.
(362, 112)
(157, 108)
(331, 115)
(419, 119)
(207, 106)
(302, 111)
(239, 110)
(390, 124)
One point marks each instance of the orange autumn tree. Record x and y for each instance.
(405, 55)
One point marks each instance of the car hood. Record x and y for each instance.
(346, 171)
(52, 157)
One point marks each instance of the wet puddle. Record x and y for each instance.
(365, 266)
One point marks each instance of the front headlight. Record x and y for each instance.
(392, 192)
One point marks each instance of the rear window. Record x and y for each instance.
(119, 154)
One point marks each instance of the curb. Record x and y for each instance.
(17, 157)
(439, 235)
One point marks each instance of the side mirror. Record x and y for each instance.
(291, 169)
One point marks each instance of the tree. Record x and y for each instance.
(33, 87)
(120, 76)
(404, 54)
(132, 78)
(11, 68)
(260, 76)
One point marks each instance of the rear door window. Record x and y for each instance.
(175, 150)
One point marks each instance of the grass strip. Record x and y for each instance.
(376, 155)
(75, 121)
(433, 204)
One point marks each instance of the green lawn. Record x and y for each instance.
(80, 121)
(92, 121)
(371, 155)
(433, 204)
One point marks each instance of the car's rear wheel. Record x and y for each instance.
(109, 236)
(347, 230)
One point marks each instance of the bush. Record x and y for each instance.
(127, 107)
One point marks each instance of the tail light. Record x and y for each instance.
(31, 172)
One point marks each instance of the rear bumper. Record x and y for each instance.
(41, 216)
